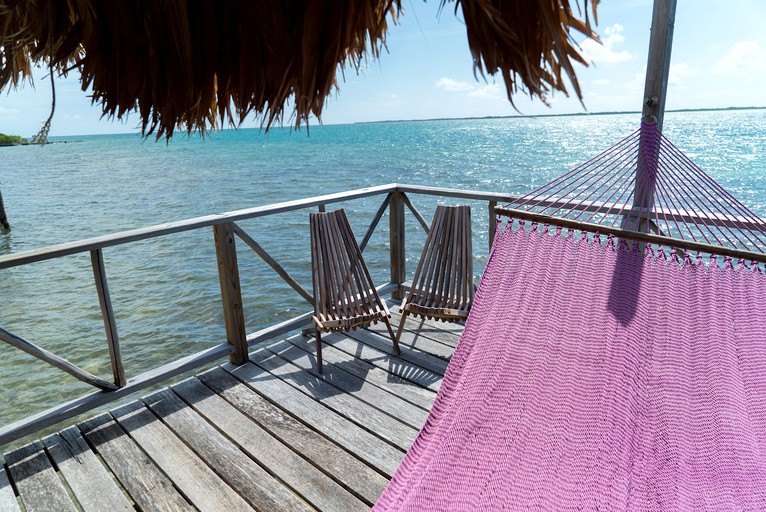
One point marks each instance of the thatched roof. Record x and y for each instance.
(196, 64)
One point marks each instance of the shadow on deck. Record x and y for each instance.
(272, 434)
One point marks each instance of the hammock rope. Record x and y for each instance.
(675, 195)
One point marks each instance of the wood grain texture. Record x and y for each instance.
(147, 485)
(364, 415)
(285, 464)
(88, 479)
(401, 387)
(365, 445)
(337, 463)
(191, 475)
(8, 501)
(110, 324)
(395, 366)
(240, 472)
(353, 385)
(231, 295)
(39, 487)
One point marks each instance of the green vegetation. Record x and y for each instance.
(11, 140)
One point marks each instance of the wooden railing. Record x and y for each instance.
(397, 199)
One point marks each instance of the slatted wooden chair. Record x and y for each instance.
(344, 295)
(443, 287)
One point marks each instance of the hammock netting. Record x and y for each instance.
(596, 374)
(645, 175)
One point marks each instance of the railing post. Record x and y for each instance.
(396, 234)
(231, 295)
(110, 325)
(492, 223)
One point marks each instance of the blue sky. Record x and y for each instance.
(718, 60)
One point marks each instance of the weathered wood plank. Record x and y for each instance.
(360, 388)
(147, 485)
(455, 328)
(56, 251)
(54, 360)
(72, 408)
(422, 359)
(199, 484)
(445, 333)
(298, 473)
(333, 460)
(397, 242)
(91, 484)
(39, 487)
(364, 415)
(110, 324)
(391, 364)
(250, 481)
(360, 442)
(8, 501)
(231, 294)
(418, 342)
(407, 390)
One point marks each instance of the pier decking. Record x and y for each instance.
(271, 434)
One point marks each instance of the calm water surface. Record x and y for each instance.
(165, 291)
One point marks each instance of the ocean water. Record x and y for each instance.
(165, 291)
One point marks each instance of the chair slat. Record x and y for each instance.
(442, 287)
(345, 294)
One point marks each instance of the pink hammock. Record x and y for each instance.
(592, 377)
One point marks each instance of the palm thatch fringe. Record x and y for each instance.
(195, 64)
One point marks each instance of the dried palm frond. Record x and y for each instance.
(196, 64)
(528, 42)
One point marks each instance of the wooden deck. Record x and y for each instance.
(269, 435)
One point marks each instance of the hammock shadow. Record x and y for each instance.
(626, 285)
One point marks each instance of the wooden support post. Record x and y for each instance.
(322, 208)
(110, 325)
(397, 239)
(231, 295)
(655, 92)
(492, 223)
(3, 217)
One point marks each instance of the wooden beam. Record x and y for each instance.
(664, 241)
(110, 324)
(419, 216)
(397, 242)
(655, 92)
(274, 264)
(54, 360)
(658, 61)
(231, 295)
(492, 223)
(55, 251)
(375, 221)
(67, 410)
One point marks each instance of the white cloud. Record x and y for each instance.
(605, 52)
(678, 72)
(448, 84)
(747, 56)
(602, 81)
(486, 91)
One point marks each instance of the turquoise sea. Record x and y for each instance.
(165, 291)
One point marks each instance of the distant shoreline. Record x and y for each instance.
(573, 114)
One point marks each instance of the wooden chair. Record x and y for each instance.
(443, 286)
(344, 295)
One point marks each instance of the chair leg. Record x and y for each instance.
(394, 337)
(319, 351)
(401, 327)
